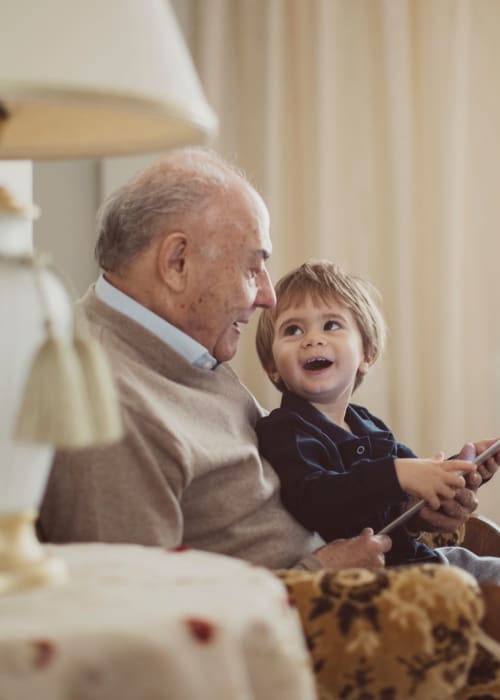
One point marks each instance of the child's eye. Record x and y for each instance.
(331, 325)
(293, 329)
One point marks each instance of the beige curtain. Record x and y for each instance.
(372, 129)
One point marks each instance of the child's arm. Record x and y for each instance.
(484, 455)
(432, 479)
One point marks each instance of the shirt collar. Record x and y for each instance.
(360, 425)
(190, 349)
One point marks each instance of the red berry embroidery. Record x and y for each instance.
(44, 653)
(179, 548)
(201, 630)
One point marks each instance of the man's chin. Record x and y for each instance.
(226, 350)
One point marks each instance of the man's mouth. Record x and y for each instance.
(317, 363)
(237, 324)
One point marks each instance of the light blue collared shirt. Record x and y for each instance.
(190, 349)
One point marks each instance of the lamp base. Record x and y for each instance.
(24, 563)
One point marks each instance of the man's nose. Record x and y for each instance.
(266, 296)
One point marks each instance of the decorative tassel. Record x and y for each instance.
(55, 407)
(10, 207)
(70, 399)
(101, 390)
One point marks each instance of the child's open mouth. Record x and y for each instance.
(317, 363)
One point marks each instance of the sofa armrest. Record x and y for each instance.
(482, 536)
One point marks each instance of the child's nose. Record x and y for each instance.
(311, 339)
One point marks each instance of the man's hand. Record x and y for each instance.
(364, 551)
(486, 470)
(452, 513)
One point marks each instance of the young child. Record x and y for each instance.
(341, 468)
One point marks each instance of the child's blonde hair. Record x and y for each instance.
(324, 280)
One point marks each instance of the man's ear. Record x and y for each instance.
(172, 260)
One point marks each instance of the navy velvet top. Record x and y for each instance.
(336, 482)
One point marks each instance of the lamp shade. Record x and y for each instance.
(96, 78)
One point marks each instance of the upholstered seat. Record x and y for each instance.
(423, 632)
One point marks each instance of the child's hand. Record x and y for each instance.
(432, 479)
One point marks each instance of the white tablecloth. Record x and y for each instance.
(137, 623)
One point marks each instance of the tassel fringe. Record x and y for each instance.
(101, 391)
(55, 408)
(70, 399)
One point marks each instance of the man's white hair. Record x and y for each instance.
(180, 185)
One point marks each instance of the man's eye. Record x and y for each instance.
(331, 325)
(292, 330)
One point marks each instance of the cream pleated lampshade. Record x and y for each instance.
(92, 78)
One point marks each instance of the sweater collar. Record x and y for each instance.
(183, 344)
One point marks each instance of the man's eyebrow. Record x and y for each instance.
(260, 254)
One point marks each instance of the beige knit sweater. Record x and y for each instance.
(187, 472)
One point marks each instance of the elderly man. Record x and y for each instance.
(183, 248)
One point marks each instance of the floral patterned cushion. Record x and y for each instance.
(443, 539)
(409, 632)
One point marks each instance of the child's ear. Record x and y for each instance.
(365, 365)
(273, 374)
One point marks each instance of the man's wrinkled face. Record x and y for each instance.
(229, 280)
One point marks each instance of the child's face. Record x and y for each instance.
(318, 350)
